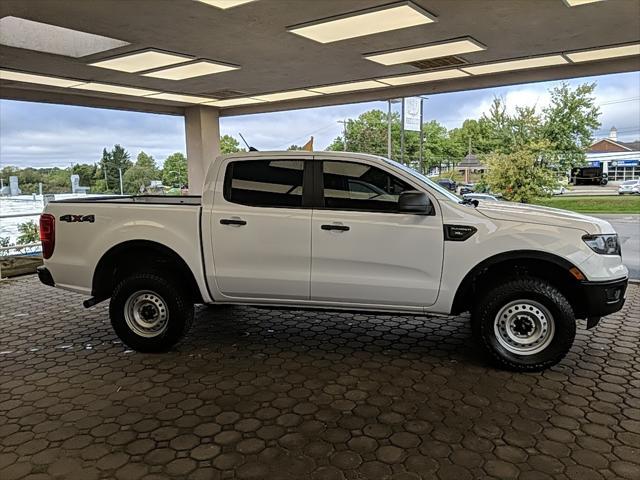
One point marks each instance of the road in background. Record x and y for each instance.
(628, 228)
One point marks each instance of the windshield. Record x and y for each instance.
(630, 182)
(424, 179)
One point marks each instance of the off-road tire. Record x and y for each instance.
(527, 288)
(179, 306)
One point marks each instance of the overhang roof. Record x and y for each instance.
(254, 36)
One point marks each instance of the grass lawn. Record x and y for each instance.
(594, 204)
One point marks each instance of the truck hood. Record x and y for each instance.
(518, 212)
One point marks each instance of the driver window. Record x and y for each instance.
(357, 186)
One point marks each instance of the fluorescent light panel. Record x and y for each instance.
(38, 79)
(233, 102)
(604, 53)
(140, 61)
(196, 69)
(41, 37)
(454, 47)
(349, 87)
(365, 22)
(521, 64)
(175, 97)
(424, 77)
(225, 4)
(577, 3)
(120, 90)
(275, 97)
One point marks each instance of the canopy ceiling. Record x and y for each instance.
(260, 55)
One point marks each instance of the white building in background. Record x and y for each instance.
(619, 160)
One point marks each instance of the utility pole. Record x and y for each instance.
(344, 134)
(402, 133)
(422, 170)
(389, 131)
(120, 174)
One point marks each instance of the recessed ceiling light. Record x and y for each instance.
(522, 64)
(349, 87)
(39, 79)
(274, 97)
(577, 3)
(232, 102)
(603, 53)
(140, 61)
(424, 77)
(176, 97)
(224, 4)
(364, 22)
(196, 69)
(424, 52)
(41, 37)
(107, 88)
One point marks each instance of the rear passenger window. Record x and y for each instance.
(265, 183)
(358, 186)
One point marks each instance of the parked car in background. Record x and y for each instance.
(629, 187)
(337, 231)
(487, 197)
(466, 188)
(448, 184)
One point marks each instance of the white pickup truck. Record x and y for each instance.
(338, 231)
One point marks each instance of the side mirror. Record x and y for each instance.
(415, 202)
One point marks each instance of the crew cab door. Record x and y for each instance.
(363, 250)
(261, 230)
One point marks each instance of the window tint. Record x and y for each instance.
(356, 186)
(265, 183)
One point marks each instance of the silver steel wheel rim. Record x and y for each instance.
(146, 314)
(524, 327)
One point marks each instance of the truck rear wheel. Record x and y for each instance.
(150, 313)
(525, 324)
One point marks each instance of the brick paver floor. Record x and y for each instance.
(255, 393)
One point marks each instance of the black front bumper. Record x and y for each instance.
(45, 276)
(602, 298)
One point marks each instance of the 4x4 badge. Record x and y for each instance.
(78, 218)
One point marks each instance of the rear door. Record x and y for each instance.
(261, 229)
(363, 250)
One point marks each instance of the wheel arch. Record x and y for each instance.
(132, 255)
(543, 265)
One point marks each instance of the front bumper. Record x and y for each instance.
(602, 298)
(45, 276)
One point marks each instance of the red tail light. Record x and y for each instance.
(47, 234)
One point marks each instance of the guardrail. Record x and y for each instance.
(17, 215)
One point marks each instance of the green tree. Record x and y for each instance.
(569, 121)
(28, 233)
(518, 176)
(174, 171)
(228, 144)
(140, 175)
(86, 172)
(110, 165)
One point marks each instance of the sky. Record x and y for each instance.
(45, 135)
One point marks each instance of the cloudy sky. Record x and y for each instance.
(40, 135)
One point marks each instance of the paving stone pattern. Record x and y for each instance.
(281, 394)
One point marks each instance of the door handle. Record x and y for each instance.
(340, 228)
(233, 221)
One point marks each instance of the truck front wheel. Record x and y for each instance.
(525, 324)
(150, 313)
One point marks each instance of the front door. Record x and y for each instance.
(363, 250)
(261, 232)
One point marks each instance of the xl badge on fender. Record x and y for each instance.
(78, 218)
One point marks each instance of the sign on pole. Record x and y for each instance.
(412, 113)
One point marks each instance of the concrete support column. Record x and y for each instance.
(202, 129)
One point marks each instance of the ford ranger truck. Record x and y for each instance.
(337, 231)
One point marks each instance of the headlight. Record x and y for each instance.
(603, 244)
